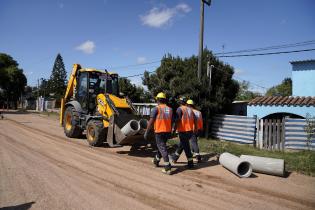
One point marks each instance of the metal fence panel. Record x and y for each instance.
(295, 135)
(234, 128)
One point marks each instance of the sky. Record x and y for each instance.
(129, 37)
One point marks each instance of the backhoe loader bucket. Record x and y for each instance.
(115, 136)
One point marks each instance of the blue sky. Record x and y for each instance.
(114, 33)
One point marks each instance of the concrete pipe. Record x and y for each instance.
(265, 165)
(236, 165)
(131, 128)
(143, 124)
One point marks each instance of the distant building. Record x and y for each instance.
(303, 78)
(298, 105)
(238, 108)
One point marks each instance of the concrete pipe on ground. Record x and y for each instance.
(143, 124)
(131, 128)
(236, 165)
(265, 165)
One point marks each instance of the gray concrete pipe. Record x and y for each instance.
(265, 165)
(236, 165)
(131, 128)
(143, 124)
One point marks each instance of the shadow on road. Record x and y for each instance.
(182, 168)
(24, 206)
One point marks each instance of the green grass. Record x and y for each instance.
(298, 161)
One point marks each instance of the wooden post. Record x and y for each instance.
(278, 134)
(266, 134)
(256, 135)
(283, 133)
(274, 134)
(261, 133)
(269, 133)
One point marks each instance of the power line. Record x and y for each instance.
(298, 44)
(271, 53)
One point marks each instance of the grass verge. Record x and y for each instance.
(299, 161)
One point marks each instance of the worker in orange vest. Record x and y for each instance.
(186, 124)
(161, 116)
(194, 139)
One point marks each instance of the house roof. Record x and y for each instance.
(303, 61)
(282, 100)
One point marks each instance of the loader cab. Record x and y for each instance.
(93, 82)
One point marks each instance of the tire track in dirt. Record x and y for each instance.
(201, 199)
(205, 180)
(221, 197)
(146, 199)
(164, 200)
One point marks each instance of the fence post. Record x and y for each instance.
(274, 134)
(265, 138)
(269, 132)
(256, 132)
(261, 133)
(283, 133)
(278, 134)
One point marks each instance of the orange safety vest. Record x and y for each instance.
(199, 119)
(163, 121)
(186, 123)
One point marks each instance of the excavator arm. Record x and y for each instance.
(69, 91)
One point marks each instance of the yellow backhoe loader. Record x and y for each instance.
(93, 103)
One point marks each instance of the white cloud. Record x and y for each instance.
(158, 17)
(141, 60)
(86, 47)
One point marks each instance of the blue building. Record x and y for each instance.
(298, 105)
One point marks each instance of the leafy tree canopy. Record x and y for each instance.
(12, 80)
(244, 94)
(135, 93)
(178, 77)
(283, 89)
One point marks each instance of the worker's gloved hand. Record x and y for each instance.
(146, 134)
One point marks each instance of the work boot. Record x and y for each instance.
(167, 169)
(156, 162)
(190, 164)
(174, 158)
(198, 157)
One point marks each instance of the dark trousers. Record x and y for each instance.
(184, 138)
(161, 139)
(193, 144)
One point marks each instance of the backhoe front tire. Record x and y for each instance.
(95, 133)
(71, 123)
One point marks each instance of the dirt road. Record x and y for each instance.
(41, 169)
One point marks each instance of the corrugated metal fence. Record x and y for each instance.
(295, 135)
(234, 128)
(268, 135)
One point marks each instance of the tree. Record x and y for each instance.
(244, 93)
(58, 78)
(135, 93)
(12, 80)
(178, 77)
(283, 89)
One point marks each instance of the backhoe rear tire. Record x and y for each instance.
(71, 123)
(95, 133)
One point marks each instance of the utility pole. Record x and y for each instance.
(209, 75)
(208, 2)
